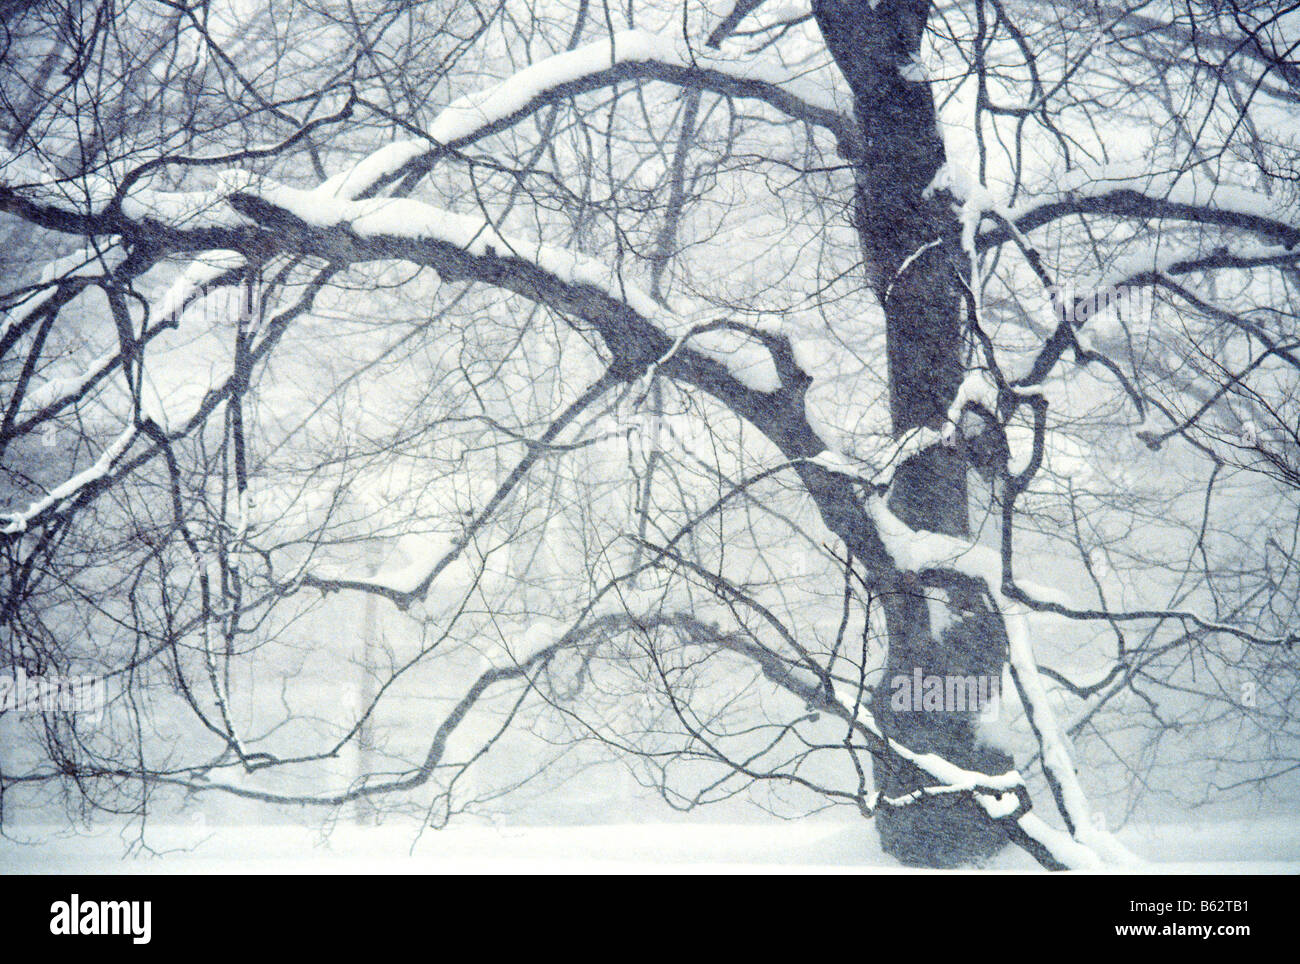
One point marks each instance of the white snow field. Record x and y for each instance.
(800, 847)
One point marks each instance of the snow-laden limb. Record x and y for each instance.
(18, 521)
(1071, 853)
(1151, 264)
(206, 269)
(628, 54)
(412, 220)
(1132, 189)
(111, 462)
(950, 774)
(52, 396)
(1054, 744)
(82, 265)
(374, 227)
(85, 205)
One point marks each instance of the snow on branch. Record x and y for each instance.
(626, 55)
(53, 396)
(94, 203)
(17, 522)
(91, 204)
(1125, 190)
(1071, 801)
(458, 245)
(80, 267)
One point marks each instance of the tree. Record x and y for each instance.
(593, 315)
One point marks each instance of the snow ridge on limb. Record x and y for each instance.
(1053, 743)
(17, 521)
(38, 195)
(625, 55)
(392, 227)
(1125, 190)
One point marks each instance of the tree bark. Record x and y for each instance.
(907, 242)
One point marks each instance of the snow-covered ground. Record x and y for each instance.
(1271, 846)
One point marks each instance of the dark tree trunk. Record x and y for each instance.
(919, 291)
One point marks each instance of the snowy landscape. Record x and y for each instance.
(728, 436)
(804, 847)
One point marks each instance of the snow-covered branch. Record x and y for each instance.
(625, 56)
(17, 522)
(1131, 193)
(102, 203)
